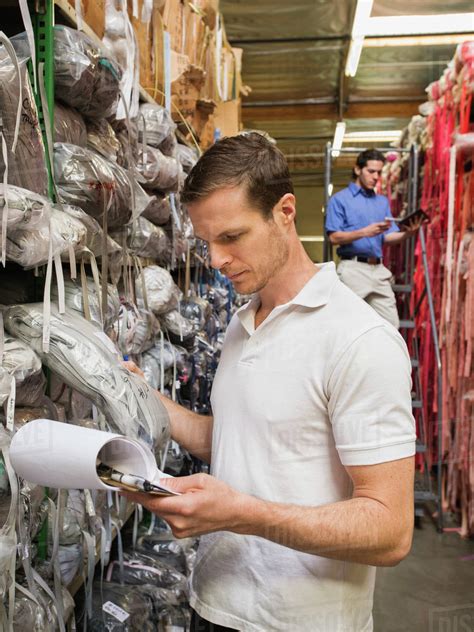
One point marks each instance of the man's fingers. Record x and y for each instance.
(184, 484)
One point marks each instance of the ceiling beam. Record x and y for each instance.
(369, 109)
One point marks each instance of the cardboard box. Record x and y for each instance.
(149, 37)
(174, 20)
(93, 14)
(227, 118)
(185, 92)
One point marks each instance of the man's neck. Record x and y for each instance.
(288, 282)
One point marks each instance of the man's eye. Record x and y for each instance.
(231, 237)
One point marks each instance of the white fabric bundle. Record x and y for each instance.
(75, 300)
(155, 123)
(25, 208)
(135, 330)
(30, 247)
(85, 358)
(157, 170)
(94, 232)
(162, 292)
(23, 364)
(147, 240)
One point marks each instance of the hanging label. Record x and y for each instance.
(115, 611)
(11, 406)
(89, 503)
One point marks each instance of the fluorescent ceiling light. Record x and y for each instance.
(316, 238)
(330, 189)
(417, 40)
(419, 24)
(373, 136)
(338, 138)
(361, 17)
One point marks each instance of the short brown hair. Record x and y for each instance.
(247, 159)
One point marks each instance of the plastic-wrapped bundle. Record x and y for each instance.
(134, 603)
(136, 330)
(69, 126)
(126, 133)
(27, 166)
(94, 231)
(34, 507)
(101, 138)
(86, 179)
(157, 170)
(24, 365)
(162, 292)
(197, 310)
(30, 248)
(25, 208)
(167, 550)
(74, 517)
(150, 364)
(75, 300)
(158, 210)
(86, 360)
(187, 157)
(180, 329)
(85, 77)
(147, 240)
(39, 615)
(70, 562)
(157, 123)
(143, 568)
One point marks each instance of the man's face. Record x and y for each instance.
(243, 245)
(369, 175)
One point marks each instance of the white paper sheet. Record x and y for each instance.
(61, 455)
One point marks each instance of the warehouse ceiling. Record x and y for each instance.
(294, 60)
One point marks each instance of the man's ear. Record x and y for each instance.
(357, 171)
(286, 208)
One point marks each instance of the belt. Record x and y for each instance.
(371, 260)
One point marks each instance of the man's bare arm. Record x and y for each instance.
(339, 237)
(374, 526)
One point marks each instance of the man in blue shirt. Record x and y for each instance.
(356, 222)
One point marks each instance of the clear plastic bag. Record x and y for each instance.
(135, 330)
(126, 133)
(69, 126)
(25, 208)
(30, 248)
(86, 179)
(24, 365)
(151, 361)
(147, 240)
(27, 166)
(134, 603)
(187, 156)
(86, 77)
(155, 123)
(158, 211)
(40, 615)
(102, 139)
(180, 329)
(157, 170)
(94, 232)
(162, 292)
(82, 355)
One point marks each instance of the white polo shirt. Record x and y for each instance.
(322, 383)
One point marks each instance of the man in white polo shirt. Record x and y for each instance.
(312, 439)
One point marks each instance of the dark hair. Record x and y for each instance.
(250, 160)
(364, 157)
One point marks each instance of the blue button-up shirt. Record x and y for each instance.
(354, 208)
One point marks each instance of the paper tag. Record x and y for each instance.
(107, 342)
(115, 611)
(11, 406)
(89, 503)
(173, 628)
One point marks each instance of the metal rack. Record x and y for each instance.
(425, 492)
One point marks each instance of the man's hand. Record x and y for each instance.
(133, 368)
(205, 505)
(376, 228)
(412, 227)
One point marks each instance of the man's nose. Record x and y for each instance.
(219, 256)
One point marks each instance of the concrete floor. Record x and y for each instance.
(432, 590)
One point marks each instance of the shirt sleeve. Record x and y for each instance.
(335, 216)
(370, 400)
(394, 228)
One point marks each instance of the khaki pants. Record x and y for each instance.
(373, 283)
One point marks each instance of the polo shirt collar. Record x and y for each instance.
(356, 189)
(314, 294)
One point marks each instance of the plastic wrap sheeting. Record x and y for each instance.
(135, 603)
(158, 171)
(74, 517)
(94, 231)
(127, 135)
(157, 123)
(30, 248)
(147, 240)
(69, 126)
(75, 300)
(85, 359)
(24, 365)
(135, 330)
(86, 179)
(158, 210)
(27, 166)
(31, 616)
(151, 361)
(25, 208)
(197, 310)
(70, 562)
(187, 157)
(162, 292)
(102, 139)
(180, 329)
(85, 77)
